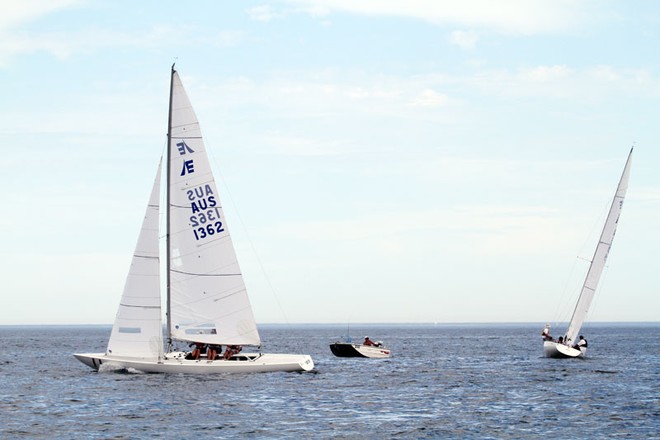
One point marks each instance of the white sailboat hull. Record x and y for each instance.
(176, 363)
(555, 350)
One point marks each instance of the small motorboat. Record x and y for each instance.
(348, 349)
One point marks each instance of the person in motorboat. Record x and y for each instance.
(581, 343)
(371, 343)
(545, 334)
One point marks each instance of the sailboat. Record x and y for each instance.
(206, 297)
(568, 347)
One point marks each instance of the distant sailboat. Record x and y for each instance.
(207, 302)
(568, 346)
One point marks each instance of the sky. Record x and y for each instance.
(378, 161)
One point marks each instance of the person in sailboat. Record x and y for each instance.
(232, 350)
(545, 334)
(582, 343)
(212, 351)
(200, 347)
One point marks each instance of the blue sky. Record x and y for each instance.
(381, 161)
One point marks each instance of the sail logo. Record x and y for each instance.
(183, 147)
(206, 219)
(188, 165)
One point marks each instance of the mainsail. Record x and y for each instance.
(207, 295)
(138, 331)
(600, 257)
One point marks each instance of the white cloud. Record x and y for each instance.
(90, 40)
(512, 16)
(300, 146)
(560, 81)
(263, 13)
(430, 98)
(605, 73)
(464, 39)
(469, 230)
(544, 73)
(16, 13)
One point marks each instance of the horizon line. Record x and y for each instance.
(428, 323)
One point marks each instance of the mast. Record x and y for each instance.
(167, 216)
(600, 256)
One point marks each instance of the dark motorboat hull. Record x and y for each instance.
(344, 349)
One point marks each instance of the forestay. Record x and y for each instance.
(209, 302)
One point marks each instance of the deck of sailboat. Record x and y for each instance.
(177, 363)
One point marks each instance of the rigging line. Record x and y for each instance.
(206, 274)
(566, 297)
(254, 250)
(594, 301)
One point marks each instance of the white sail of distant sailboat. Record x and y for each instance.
(206, 297)
(568, 347)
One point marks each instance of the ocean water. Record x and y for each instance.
(444, 381)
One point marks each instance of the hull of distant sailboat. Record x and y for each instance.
(344, 349)
(556, 350)
(176, 363)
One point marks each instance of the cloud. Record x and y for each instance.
(468, 230)
(464, 39)
(263, 13)
(89, 40)
(544, 73)
(526, 17)
(16, 13)
(430, 98)
(560, 81)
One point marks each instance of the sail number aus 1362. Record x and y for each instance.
(206, 219)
